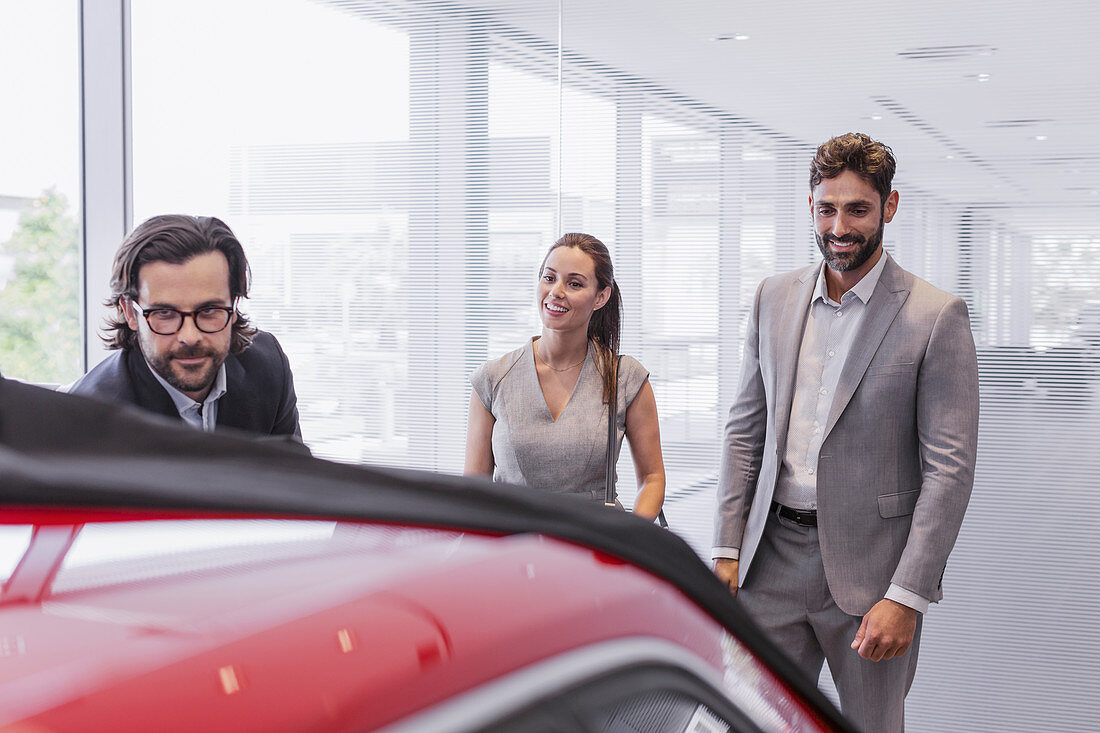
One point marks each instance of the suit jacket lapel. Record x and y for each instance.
(233, 407)
(791, 323)
(889, 295)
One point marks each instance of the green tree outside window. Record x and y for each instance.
(39, 301)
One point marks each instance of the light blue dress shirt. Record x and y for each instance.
(203, 416)
(828, 336)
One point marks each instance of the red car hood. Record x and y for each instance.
(293, 624)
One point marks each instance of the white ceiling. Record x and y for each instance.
(811, 70)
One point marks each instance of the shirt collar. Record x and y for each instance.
(862, 289)
(184, 403)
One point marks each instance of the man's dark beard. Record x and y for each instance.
(197, 382)
(846, 261)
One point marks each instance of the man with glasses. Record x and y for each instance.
(182, 347)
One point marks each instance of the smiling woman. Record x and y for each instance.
(539, 414)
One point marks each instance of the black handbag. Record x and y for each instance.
(609, 479)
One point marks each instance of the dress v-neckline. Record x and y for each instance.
(538, 382)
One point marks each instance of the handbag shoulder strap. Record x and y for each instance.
(609, 480)
(612, 404)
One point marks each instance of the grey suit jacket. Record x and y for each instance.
(896, 465)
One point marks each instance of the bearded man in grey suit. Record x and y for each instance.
(849, 452)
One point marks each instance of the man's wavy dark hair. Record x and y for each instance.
(175, 239)
(858, 153)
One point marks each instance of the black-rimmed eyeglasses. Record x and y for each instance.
(167, 321)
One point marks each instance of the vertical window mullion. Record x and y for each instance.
(105, 169)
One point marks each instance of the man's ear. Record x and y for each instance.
(127, 307)
(890, 207)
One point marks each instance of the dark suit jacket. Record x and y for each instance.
(259, 393)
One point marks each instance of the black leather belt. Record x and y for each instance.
(802, 517)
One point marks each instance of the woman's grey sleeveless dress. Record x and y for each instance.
(566, 456)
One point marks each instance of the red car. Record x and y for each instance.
(157, 578)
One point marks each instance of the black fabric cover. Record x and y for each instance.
(70, 451)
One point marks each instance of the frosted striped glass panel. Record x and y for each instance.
(399, 169)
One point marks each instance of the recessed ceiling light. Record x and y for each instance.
(983, 77)
(949, 157)
(1040, 137)
(875, 117)
(730, 37)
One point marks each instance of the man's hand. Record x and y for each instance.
(726, 570)
(886, 632)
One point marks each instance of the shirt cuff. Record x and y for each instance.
(907, 598)
(725, 553)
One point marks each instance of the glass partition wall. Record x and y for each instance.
(398, 168)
